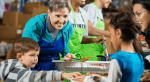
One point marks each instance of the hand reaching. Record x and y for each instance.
(70, 75)
(69, 57)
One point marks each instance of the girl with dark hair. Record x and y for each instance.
(141, 10)
(127, 64)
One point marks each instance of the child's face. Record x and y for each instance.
(115, 37)
(30, 58)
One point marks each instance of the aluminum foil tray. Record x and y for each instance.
(88, 66)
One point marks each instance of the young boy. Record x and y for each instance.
(18, 70)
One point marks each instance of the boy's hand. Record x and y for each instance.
(70, 75)
(69, 57)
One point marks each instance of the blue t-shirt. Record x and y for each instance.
(33, 30)
(131, 65)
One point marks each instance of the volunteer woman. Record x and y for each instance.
(95, 28)
(141, 10)
(78, 18)
(52, 31)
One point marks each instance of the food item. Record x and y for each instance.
(77, 76)
(85, 59)
(90, 74)
(103, 74)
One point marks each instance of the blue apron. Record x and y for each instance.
(47, 52)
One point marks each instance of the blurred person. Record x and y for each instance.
(78, 18)
(141, 10)
(96, 28)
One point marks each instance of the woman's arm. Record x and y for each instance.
(67, 36)
(92, 31)
(98, 40)
(32, 32)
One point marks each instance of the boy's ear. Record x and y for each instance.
(19, 56)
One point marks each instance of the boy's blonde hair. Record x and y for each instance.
(23, 45)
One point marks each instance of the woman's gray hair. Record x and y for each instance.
(55, 5)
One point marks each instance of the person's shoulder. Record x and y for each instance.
(120, 54)
(68, 26)
(70, 14)
(92, 5)
(8, 61)
(37, 20)
(11, 63)
(89, 6)
(82, 10)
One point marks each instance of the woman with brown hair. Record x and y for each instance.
(141, 10)
(52, 31)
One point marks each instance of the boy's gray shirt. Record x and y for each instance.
(13, 70)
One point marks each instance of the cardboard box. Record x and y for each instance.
(11, 17)
(106, 20)
(43, 9)
(106, 26)
(11, 54)
(23, 18)
(33, 4)
(9, 31)
(29, 7)
(15, 6)
(36, 11)
(33, 7)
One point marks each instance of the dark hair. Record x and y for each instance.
(55, 5)
(126, 22)
(23, 45)
(144, 3)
